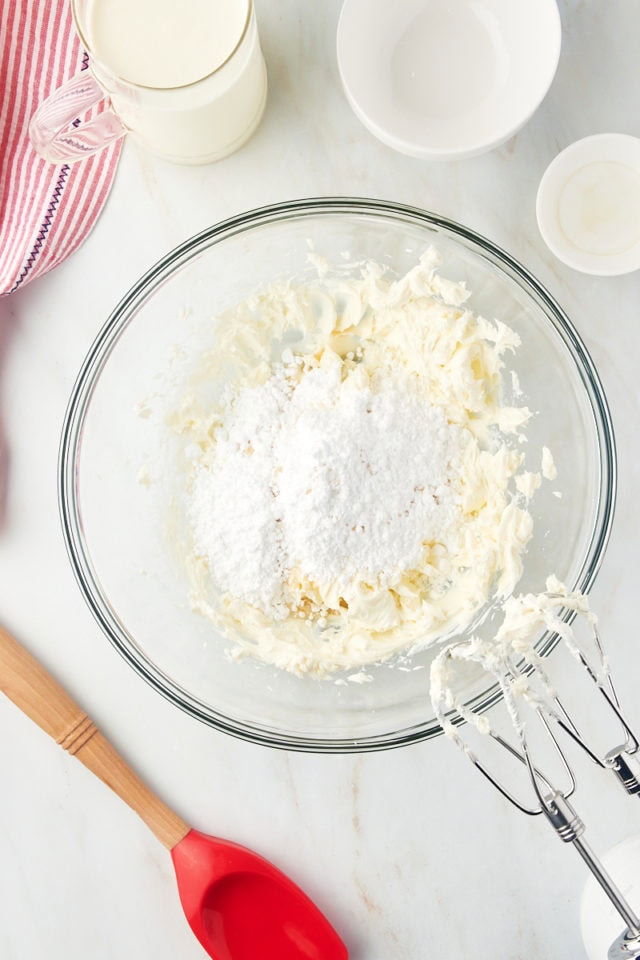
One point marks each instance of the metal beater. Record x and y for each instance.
(525, 685)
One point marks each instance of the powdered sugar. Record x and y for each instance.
(350, 468)
(318, 476)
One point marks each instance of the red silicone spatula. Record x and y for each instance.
(239, 905)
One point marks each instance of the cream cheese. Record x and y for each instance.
(336, 393)
(526, 618)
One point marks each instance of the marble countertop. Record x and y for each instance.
(409, 852)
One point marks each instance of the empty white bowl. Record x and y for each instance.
(443, 79)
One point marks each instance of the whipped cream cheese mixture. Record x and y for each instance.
(526, 618)
(357, 486)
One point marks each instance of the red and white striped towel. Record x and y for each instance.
(46, 211)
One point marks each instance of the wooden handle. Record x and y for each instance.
(36, 693)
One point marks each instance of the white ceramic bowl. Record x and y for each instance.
(443, 79)
(588, 205)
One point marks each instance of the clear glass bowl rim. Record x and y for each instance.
(126, 310)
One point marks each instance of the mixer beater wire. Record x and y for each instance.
(531, 701)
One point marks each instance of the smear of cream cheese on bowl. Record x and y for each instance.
(358, 486)
(508, 656)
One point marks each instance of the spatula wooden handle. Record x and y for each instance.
(32, 688)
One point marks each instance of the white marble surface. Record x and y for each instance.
(410, 853)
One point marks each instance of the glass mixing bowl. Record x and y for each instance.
(115, 436)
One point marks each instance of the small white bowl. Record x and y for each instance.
(444, 79)
(588, 205)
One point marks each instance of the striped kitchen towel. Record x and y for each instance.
(46, 210)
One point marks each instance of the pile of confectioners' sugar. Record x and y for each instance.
(354, 481)
(317, 475)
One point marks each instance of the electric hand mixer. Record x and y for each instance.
(526, 688)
